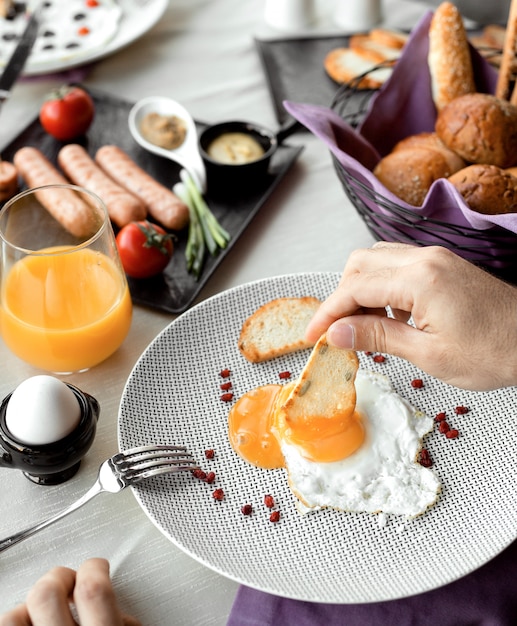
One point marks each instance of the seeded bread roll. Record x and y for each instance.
(430, 141)
(276, 328)
(480, 128)
(414, 164)
(487, 189)
(450, 65)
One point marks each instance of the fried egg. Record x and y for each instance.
(364, 460)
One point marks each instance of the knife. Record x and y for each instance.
(18, 58)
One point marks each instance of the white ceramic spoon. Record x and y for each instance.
(187, 155)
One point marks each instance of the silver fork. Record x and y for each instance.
(115, 474)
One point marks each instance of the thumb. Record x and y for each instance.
(376, 334)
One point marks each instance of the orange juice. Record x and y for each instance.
(65, 312)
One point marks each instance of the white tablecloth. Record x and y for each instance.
(202, 54)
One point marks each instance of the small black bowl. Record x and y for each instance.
(220, 174)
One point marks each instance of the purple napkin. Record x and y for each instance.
(486, 597)
(402, 107)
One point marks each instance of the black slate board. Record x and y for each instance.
(175, 289)
(294, 70)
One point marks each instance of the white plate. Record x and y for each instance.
(138, 17)
(173, 396)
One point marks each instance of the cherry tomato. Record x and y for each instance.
(67, 113)
(144, 249)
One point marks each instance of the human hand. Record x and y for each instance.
(465, 319)
(89, 588)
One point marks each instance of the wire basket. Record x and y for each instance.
(495, 249)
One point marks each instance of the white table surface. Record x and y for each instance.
(202, 54)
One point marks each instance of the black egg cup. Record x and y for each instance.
(56, 462)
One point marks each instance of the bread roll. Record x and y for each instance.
(487, 189)
(450, 65)
(414, 164)
(480, 128)
(431, 141)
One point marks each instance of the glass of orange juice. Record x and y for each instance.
(64, 299)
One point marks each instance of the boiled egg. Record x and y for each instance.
(42, 410)
(362, 459)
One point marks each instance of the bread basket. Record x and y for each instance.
(491, 245)
(494, 248)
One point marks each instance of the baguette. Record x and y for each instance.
(502, 89)
(449, 61)
(277, 328)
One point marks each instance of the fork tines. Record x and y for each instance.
(146, 461)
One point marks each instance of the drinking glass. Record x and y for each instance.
(64, 300)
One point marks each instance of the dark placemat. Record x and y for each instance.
(294, 70)
(175, 289)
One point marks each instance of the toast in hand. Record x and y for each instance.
(325, 387)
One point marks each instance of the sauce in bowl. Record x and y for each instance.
(166, 131)
(235, 148)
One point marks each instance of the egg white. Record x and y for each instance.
(383, 475)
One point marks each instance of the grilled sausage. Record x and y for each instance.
(81, 169)
(8, 180)
(63, 204)
(161, 202)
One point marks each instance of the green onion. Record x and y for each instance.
(205, 232)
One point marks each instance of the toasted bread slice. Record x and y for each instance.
(326, 385)
(344, 64)
(388, 37)
(372, 50)
(277, 328)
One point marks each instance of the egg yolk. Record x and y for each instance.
(256, 425)
(250, 425)
(324, 439)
